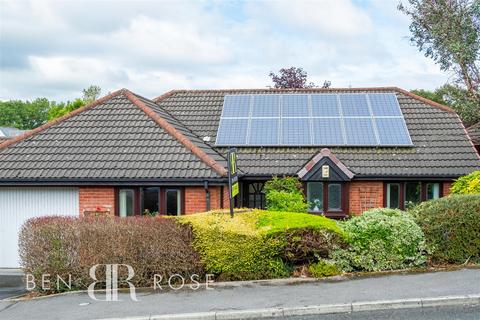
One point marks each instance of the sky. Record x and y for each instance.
(54, 49)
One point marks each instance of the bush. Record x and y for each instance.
(261, 244)
(285, 194)
(323, 269)
(62, 246)
(382, 239)
(305, 237)
(234, 249)
(452, 227)
(469, 184)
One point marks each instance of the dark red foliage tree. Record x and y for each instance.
(293, 78)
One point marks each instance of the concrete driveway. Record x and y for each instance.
(11, 283)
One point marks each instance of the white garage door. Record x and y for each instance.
(19, 204)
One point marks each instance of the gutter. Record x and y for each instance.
(112, 182)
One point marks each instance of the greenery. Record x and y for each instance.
(469, 184)
(285, 194)
(382, 239)
(452, 227)
(449, 33)
(27, 115)
(260, 244)
(323, 269)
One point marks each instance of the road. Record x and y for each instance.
(443, 313)
(249, 295)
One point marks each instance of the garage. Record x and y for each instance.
(18, 204)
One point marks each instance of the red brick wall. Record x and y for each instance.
(364, 195)
(96, 199)
(446, 188)
(195, 199)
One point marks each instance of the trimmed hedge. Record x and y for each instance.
(285, 194)
(323, 269)
(452, 227)
(63, 246)
(382, 239)
(261, 244)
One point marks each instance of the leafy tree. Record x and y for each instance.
(62, 108)
(431, 95)
(291, 78)
(24, 115)
(448, 31)
(91, 93)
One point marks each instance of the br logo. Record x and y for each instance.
(111, 281)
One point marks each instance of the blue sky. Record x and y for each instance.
(54, 49)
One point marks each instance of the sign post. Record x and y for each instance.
(232, 177)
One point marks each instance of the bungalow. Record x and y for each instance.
(126, 155)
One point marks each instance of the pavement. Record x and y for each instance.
(240, 298)
(11, 283)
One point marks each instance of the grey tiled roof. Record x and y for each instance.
(114, 140)
(441, 147)
(474, 133)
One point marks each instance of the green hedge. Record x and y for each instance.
(285, 194)
(382, 239)
(261, 244)
(452, 227)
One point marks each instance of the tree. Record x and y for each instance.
(91, 93)
(24, 115)
(59, 109)
(448, 31)
(291, 78)
(457, 98)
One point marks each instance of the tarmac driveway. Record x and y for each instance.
(11, 283)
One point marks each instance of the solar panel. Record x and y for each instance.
(327, 132)
(264, 132)
(295, 105)
(384, 104)
(324, 119)
(296, 131)
(266, 105)
(354, 105)
(392, 131)
(236, 106)
(360, 131)
(325, 105)
(232, 132)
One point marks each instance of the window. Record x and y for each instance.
(173, 202)
(413, 193)
(393, 195)
(315, 196)
(325, 197)
(126, 202)
(150, 200)
(334, 197)
(256, 195)
(433, 191)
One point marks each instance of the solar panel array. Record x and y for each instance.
(325, 119)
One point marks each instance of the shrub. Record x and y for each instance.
(469, 184)
(234, 249)
(285, 194)
(286, 201)
(261, 244)
(62, 246)
(323, 269)
(382, 239)
(305, 237)
(452, 227)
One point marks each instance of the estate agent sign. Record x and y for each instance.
(232, 177)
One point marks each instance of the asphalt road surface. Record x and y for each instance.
(443, 313)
